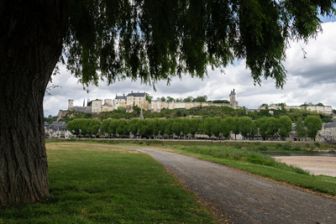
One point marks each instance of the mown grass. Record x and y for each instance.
(278, 148)
(253, 161)
(100, 183)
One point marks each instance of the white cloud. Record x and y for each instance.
(311, 77)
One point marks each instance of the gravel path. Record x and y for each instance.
(246, 198)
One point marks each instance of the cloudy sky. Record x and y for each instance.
(311, 77)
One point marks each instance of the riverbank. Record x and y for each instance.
(317, 165)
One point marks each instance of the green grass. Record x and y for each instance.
(100, 183)
(279, 148)
(258, 163)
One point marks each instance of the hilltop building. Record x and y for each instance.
(158, 105)
(137, 100)
(119, 101)
(318, 108)
(98, 105)
(233, 101)
(83, 109)
(141, 100)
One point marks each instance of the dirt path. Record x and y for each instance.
(246, 198)
(318, 165)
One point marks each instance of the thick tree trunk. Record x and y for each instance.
(30, 46)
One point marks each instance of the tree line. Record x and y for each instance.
(189, 99)
(265, 128)
(212, 111)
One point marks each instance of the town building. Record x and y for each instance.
(327, 133)
(57, 129)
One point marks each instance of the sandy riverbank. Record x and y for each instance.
(318, 165)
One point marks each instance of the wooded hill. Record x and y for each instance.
(220, 112)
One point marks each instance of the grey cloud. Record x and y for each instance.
(315, 61)
(318, 74)
(310, 79)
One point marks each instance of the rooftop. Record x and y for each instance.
(233, 92)
(56, 125)
(330, 125)
(137, 94)
(122, 97)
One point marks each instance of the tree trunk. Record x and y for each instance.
(30, 46)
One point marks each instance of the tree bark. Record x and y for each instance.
(30, 46)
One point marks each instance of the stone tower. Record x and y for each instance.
(96, 106)
(70, 104)
(233, 101)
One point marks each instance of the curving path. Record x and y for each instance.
(246, 198)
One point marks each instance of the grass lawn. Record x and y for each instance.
(100, 183)
(256, 160)
(283, 148)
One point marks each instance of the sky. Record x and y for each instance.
(311, 78)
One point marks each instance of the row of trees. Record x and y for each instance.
(214, 111)
(265, 128)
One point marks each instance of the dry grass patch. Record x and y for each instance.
(87, 146)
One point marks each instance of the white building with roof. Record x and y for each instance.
(320, 109)
(327, 133)
(137, 99)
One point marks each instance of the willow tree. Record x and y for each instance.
(115, 39)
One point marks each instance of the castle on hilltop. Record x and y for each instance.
(143, 101)
(128, 102)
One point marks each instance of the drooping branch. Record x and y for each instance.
(157, 39)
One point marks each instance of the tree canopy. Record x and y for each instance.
(313, 125)
(156, 39)
(209, 127)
